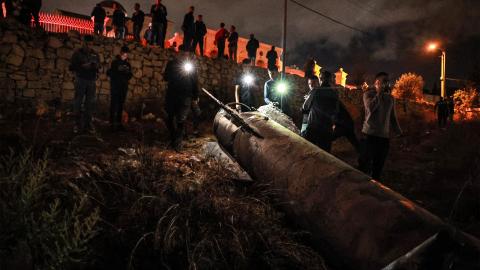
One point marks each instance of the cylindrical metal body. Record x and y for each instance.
(357, 220)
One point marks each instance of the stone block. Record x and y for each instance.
(33, 76)
(34, 84)
(148, 72)
(18, 76)
(31, 63)
(136, 64)
(21, 84)
(68, 95)
(64, 53)
(137, 73)
(28, 93)
(157, 63)
(62, 64)
(14, 60)
(68, 86)
(37, 53)
(9, 37)
(54, 42)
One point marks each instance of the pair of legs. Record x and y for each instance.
(373, 155)
(85, 94)
(221, 49)
(137, 28)
(232, 53)
(119, 32)
(253, 60)
(98, 28)
(158, 34)
(118, 94)
(199, 41)
(187, 41)
(442, 120)
(177, 110)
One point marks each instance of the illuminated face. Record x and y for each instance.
(313, 83)
(381, 84)
(124, 56)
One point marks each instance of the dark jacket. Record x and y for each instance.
(200, 29)
(99, 14)
(252, 47)
(85, 63)
(247, 95)
(221, 36)
(233, 39)
(272, 58)
(159, 15)
(188, 25)
(322, 106)
(120, 72)
(118, 18)
(180, 84)
(138, 18)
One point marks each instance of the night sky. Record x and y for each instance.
(397, 31)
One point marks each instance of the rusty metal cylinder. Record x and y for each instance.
(363, 223)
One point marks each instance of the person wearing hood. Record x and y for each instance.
(322, 106)
(120, 73)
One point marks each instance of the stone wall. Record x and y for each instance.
(34, 68)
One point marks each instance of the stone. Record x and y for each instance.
(31, 63)
(28, 93)
(68, 86)
(148, 72)
(18, 50)
(32, 76)
(136, 64)
(157, 63)
(68, 95)
(5, 49)
(9, 37)
(21, 84)
(14, 60)
(54, 42)
(64, 53)
(62, 64)
(137, 73)
(37, 53)
(73, 34)
(17, 76)
(34, 84)
(147, 63)
(47, 64)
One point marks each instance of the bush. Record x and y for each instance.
(43, 225)
(409, 87)
(465, 99)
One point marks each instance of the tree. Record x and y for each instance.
(409, 87)
(465, 99)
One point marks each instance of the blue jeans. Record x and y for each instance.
(85, 94)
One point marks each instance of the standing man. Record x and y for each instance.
(380, 116)
(200, 32)
(321, 105)
(98, 14)
(120, 73)
(85, 64)
(118, 22)
(270, 96)
(244, 90)
(233, 44)
(252, 47)
(220, 37)
(34, 7)
(442, 109)
(188, 28)
(138, 18)
(159, 23)
(272, 57)
(181, 96)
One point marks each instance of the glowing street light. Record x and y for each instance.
(434, 47)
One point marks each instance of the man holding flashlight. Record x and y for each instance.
(244, 87)
(181, 96)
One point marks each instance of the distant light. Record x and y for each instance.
(248, 79)
(432, 46)
(282, 87)
(188, 67)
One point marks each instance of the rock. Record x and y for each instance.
(157, 63)
(9, 37)
(14, 60)
(137, 73)
(32, 76)
(73, 34)
(54, 42)
(136, 64)
(37, 53)
(148, 72)
(21, 84)
(31, 63)
(68, 86)
(34, 84)
(64, 53)
(62, 64)
(17, 76)
(68, 95)
(5, 49)
(28, 93)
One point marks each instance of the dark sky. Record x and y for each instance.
(397, 30)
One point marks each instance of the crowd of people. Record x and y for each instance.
(325, 117)
(22, 10)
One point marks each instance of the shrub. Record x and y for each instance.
(409, 87)
(465, 99)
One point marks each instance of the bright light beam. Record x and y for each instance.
(188, 67)
(248, 79)
(282, 88)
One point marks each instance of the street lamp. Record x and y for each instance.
(434, 47)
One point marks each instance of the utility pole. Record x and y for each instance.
(284, 38)
(443, 76)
